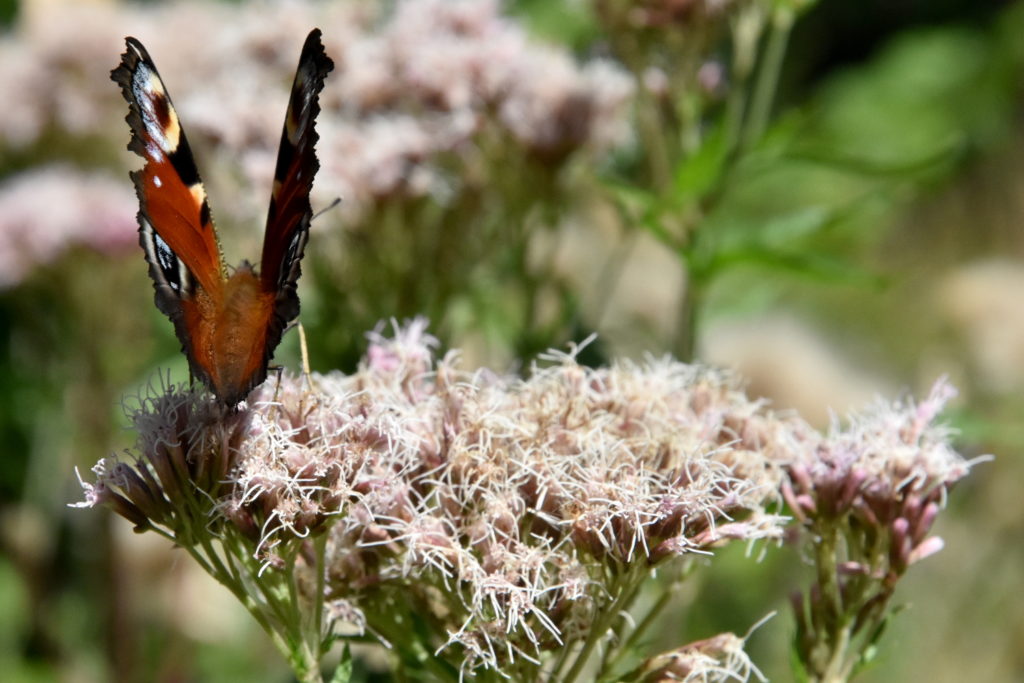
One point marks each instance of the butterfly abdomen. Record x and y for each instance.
(239, 329)
(226, 343)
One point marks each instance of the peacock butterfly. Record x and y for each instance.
(228, 324)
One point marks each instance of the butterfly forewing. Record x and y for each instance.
(175, 227)
(290, 212)
(171, 195)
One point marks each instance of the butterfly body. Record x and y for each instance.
(228, 325)
(227, 334)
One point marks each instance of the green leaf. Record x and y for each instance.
(343, 674)
(797, 225)
(642, 207)
(701, 172)
(797, 665)
(816, 266)
(630, 196)
(558, 21)
(944, 152)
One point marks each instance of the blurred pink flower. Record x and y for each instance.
(22, 117)
(433, 76)
(412, 87)
(47, 211)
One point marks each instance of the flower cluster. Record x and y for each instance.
(516, 519)
(440, 77)
(891, 468)
(868, 495)
(510, 514)
(719, 658)
(429, 78)
(46, 211)
(448, 132)
(661, 13)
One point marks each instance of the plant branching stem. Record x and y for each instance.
(627, 590)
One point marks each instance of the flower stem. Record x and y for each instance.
(626, 594)
(768, 75)
(317, 626)
(664, 598)
(833, 619)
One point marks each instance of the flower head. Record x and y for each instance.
(890, 468)
(488, 503)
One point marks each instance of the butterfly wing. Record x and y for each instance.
(175, 227)
(290, 210)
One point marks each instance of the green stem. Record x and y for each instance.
(652, 133)
(611, 272)
(735, 106)
(305, 649)
(686, 326)
(317, 627)
(827, 567)
(390, 619)
(657, 143)
(838, 668)
(768, 75)
(233, 582)
(628, 645)
(626, 593)
(833, 619)
(746, 27)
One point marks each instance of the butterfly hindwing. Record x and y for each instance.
(290, 211)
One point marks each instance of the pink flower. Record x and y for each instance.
(44, 212)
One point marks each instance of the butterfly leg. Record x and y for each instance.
(278, 370)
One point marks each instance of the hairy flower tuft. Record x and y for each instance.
(891, 467)
(516, 516)
(867, 495)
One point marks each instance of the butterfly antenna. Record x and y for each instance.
(337, 200)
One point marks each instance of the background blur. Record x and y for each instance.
(827, 195)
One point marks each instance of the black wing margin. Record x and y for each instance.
(290, 211)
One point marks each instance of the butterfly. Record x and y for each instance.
(228, 324)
